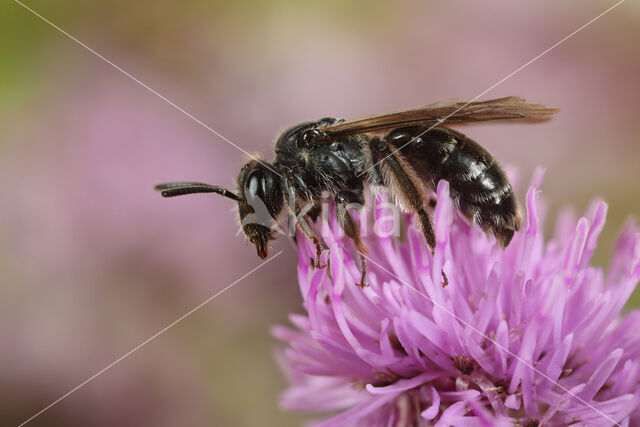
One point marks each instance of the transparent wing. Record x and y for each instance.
(453, 111)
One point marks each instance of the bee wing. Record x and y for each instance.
(453, 111)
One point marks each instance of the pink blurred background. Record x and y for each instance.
(94, 262)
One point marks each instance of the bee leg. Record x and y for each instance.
(427, 229)
(302, 219)
(351, 228)
(304, 226)
(445, 280)
(319, 248)
(403, 182)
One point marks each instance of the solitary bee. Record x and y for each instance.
(339, 157)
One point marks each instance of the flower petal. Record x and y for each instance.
(402, 385)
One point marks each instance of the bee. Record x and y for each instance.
(407, 152)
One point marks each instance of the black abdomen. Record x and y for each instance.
(478, 186)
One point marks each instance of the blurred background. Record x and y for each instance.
(94, 262)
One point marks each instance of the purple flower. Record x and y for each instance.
(529, 336)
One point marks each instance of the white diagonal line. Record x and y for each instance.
(146, 341)
(144, 85)
(493, 341)
(499, 82)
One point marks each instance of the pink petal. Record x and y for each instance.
(402, 385)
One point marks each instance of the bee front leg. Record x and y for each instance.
(300, 217)
(350, 227)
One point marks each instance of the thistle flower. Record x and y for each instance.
(527, 336)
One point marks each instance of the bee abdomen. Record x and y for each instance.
(478, 185)
(486, 198)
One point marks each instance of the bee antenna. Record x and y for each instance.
(172, 189)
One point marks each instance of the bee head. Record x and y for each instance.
(260, 202)
(259, 199)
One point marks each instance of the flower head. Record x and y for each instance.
(529, 335)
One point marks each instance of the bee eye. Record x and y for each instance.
(252, 186)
